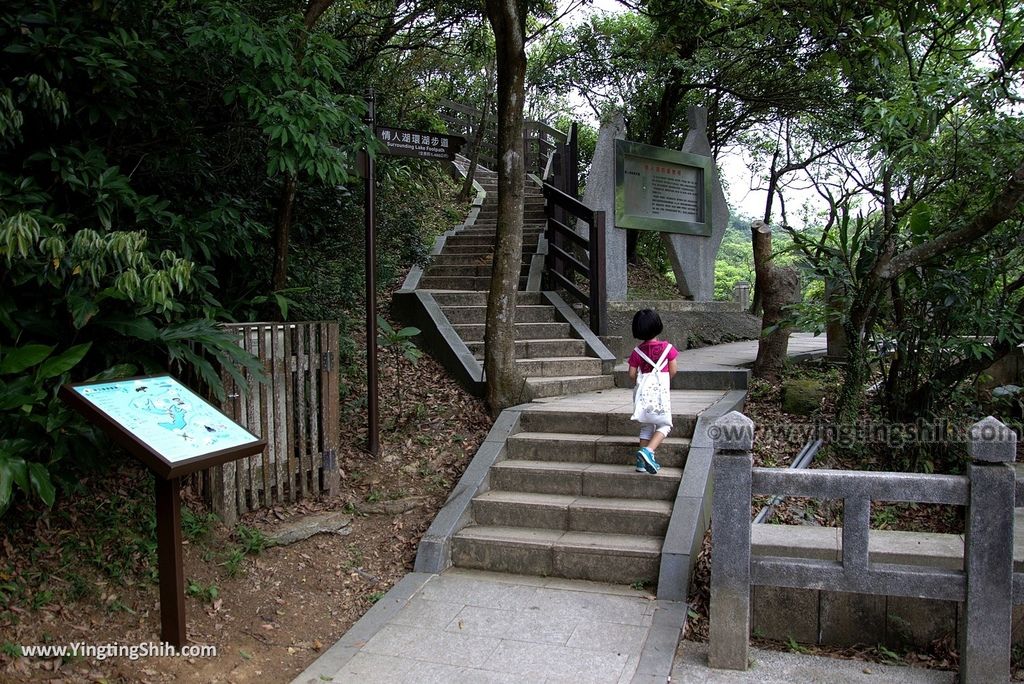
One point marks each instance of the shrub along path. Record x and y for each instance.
(85, 571)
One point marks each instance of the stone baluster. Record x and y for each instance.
(988, 554)
(733, 437)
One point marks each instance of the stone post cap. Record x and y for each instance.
(697, 118)
(991, 441)
(732, 432)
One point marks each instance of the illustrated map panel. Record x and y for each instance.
(166, 416)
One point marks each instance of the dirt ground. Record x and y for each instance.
(86, 570)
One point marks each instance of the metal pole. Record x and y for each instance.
(372, 416)
(169, 561)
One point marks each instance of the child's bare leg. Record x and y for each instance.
(656, 439)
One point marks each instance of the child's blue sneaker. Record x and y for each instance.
(647, 457)
(640, 468)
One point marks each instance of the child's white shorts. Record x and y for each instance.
(647, 430)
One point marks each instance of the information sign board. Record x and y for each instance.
(170, 427)
(661, 190)
(174, 432)
(402, 142)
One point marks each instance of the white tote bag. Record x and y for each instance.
(651, 399)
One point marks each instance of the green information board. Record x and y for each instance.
(174, 432)
(662, 190)
(173, 429)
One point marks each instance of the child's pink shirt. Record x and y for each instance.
(653, 349)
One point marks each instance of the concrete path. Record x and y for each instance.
(776, 667)
(801, 346)
(472, 626)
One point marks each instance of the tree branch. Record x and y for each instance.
(1004, 204)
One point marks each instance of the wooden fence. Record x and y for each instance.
(297, 411)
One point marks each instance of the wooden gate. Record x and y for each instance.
(297, 411)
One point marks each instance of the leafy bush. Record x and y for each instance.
(140, 148)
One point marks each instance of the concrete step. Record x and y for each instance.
(559, 366)
(530, 213)
(613, 558)
(585, 479)
(474, 332)
(525, 313)
(463, 258)
(483, 240)
(596, 423)
(576, 513)
(480, 298)
(447, 271)
(530, 234)
(467, 249)
(538, 349)
(591, 448)
(540, 387)
(428, 282)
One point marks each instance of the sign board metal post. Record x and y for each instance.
(402, 143)
(372, 414)
(169, 561)
(174, 432)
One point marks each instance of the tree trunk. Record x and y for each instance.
(282, 229)
(478, 139)
(779, 288)
(283, 225)
(504, 383)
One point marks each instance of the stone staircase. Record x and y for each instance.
(566, 501)
(465, 261)
(555, 351)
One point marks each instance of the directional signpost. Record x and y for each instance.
(174, 432)
(398, 142)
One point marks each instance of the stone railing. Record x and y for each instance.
(987, 585)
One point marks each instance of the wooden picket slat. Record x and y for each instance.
(248, 402)
(296, 410)
(301, 446)
(332, 422)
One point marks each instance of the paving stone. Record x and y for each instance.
(433, 646)
(421, 612)
(608, 636)
(558, 663)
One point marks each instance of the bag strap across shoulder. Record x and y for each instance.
(656, 366)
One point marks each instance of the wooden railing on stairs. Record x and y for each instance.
(575, 258)
(541, 142)
(575, 263)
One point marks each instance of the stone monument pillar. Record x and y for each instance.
(693, 256)
(600, 196)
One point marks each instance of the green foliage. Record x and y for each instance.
(138, 175)
(399, 340)
(197, 526)
(252, 540)
(206, 593)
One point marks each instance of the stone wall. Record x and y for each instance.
(688, 324)
(838, 619)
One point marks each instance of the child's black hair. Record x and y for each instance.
(646, 324)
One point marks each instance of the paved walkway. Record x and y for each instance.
(472, 626)
(735, 354)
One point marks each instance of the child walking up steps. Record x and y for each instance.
(651, 366)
